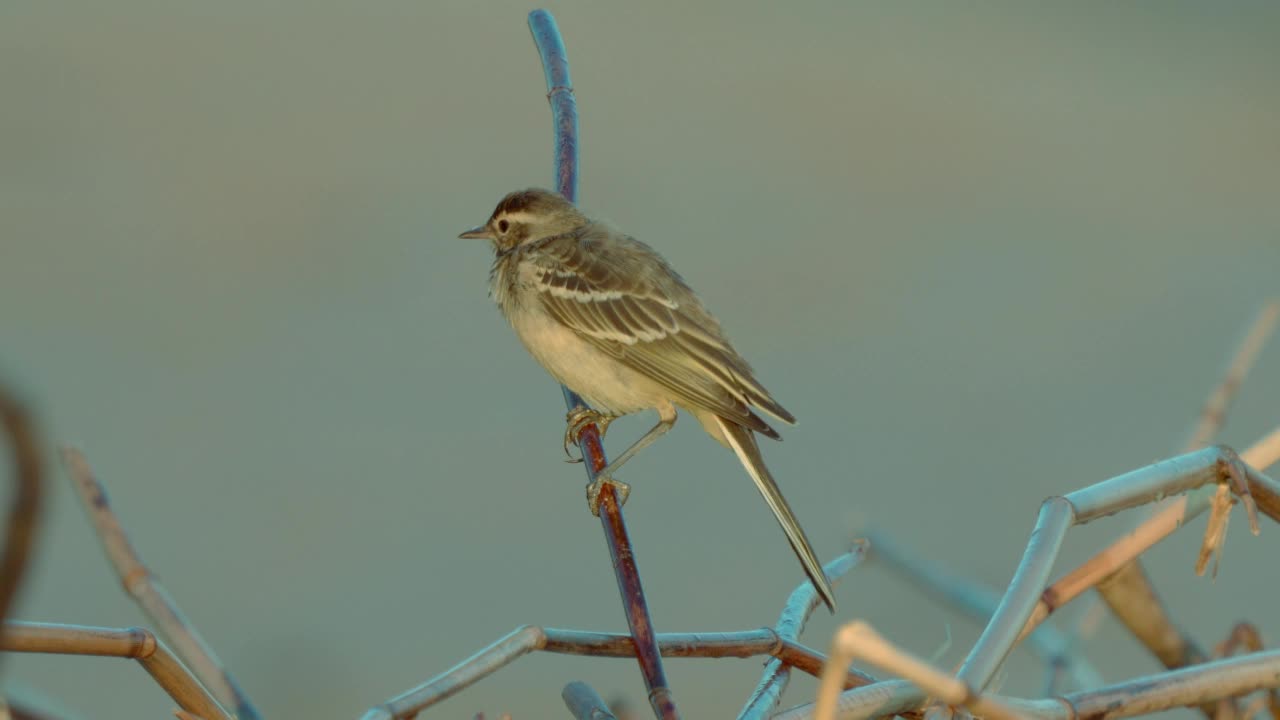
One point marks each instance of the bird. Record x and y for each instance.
(611, 320)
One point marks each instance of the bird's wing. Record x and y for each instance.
(621, 296)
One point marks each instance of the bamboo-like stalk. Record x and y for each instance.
(555, 65)
(1026, 590)
(1185, 687)
(27, 497)
(1172, 516)
(1145, 616)
(136, 643)
(859, 641)
(1214, 413)
(531, 638)
(1129, 592)
(527, 639)
(1026, 597)
(151, 597)
(1262, 455)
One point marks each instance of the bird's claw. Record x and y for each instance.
(594, 489)
(577, 420)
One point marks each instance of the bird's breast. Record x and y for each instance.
(602, 380)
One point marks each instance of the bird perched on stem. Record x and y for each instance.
(612, 321)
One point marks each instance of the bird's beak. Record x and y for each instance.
(479, 233)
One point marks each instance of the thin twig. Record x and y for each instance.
(530, 638)
(135, 643)
(1214, 413)
(1026, 603)
(555, 64)
(1261, 455)
(1129, 593)
(27, 494)
(155, 602)
(1184, 687)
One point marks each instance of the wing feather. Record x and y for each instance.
(623, 298)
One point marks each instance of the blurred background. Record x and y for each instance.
(985, 254)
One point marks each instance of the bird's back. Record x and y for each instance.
(621, 295)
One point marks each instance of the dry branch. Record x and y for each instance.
(141, 585)
(1185, 687)
(1214, 413)
(135, 643)
(28, 492)
(1139, 696)
(1172, 516)
(529, 638)
(858, 641)
(1129, 592)
(1026, 603)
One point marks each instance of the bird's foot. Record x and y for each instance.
(577, 420)
(594, 489)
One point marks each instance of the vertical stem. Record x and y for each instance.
(27, 497)
(564, 113)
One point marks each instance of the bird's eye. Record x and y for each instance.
(503, 225)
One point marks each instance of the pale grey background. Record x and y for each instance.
(985, 254)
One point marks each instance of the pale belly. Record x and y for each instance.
(602, 381)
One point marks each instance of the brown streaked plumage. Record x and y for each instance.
(611, 320)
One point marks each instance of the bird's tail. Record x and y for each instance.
(743, 442)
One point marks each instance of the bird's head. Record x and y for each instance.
(527, 216)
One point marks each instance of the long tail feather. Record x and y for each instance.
(744, 444)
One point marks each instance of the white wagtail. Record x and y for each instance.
(611, 320)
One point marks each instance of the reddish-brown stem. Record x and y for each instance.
(555, 65)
